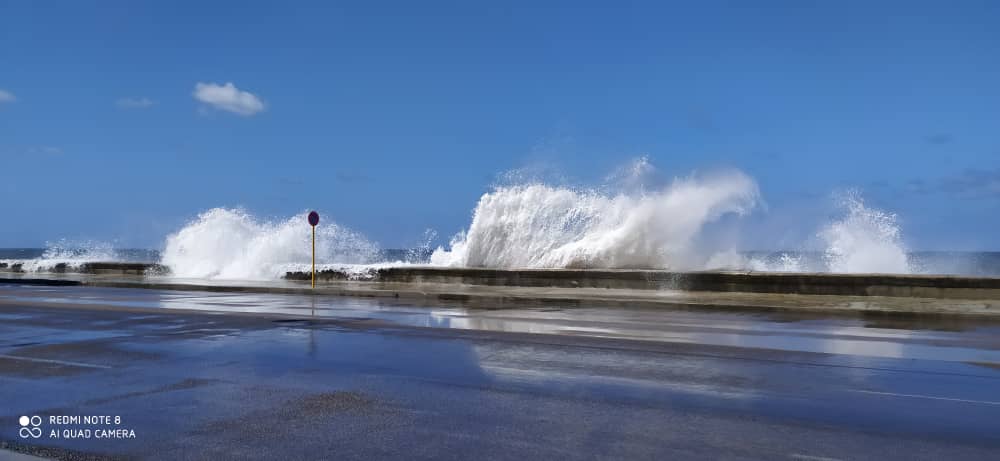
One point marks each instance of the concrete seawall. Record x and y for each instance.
(901, 286)
(918, 286)
(103, 268)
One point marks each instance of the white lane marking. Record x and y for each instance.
(57, 362)
(812, 458)
(930, 397)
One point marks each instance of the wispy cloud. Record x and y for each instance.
(974, 183)
(291, 181)
(939, 139)
(920, 186)
(228, 98)
(970, 183)
(30, 150)
(353, 177)
(134, 103)
(44, 150)
(6, 96)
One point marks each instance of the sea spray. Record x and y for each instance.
(864, 240)
(67, 254)
(74, 250)
(637, 219)
(232, 244)
(543, 226)
(783, 261)
(859, 239)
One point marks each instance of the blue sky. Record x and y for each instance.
(394, 117)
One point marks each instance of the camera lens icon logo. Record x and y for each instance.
(30, 427)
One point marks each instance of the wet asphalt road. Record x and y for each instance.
(237, 376)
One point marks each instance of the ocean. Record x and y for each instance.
(968, 263)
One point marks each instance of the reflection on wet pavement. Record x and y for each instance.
(947, 338)
(365, 379)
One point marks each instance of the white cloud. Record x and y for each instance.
(228, 98)
(30, 150)
(7, 96)
(134, 103)
(39, 150)
(44, 150)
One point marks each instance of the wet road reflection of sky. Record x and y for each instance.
(972, 340)
(596, 373)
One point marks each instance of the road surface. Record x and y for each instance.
(200, 375)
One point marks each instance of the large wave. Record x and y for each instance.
(538, 225)
(543, 226)
(232, 244)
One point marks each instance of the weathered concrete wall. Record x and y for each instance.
(106, 268)
(922, 286)
(918, 286)
(124, 268)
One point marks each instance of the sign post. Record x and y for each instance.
(313, 221)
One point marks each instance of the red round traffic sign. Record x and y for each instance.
(313, 218)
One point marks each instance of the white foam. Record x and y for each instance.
(782, 262)
(232, 244)
(543, 226)
(634, 223)
(864, 240)
(70, 253)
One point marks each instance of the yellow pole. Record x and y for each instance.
(314, 257)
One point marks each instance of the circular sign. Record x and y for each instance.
(313, 218)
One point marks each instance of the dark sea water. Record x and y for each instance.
(972, 263)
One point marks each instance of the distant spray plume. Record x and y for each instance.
(638, 218)
(541, 226)
(231, 244)
(864, 239)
